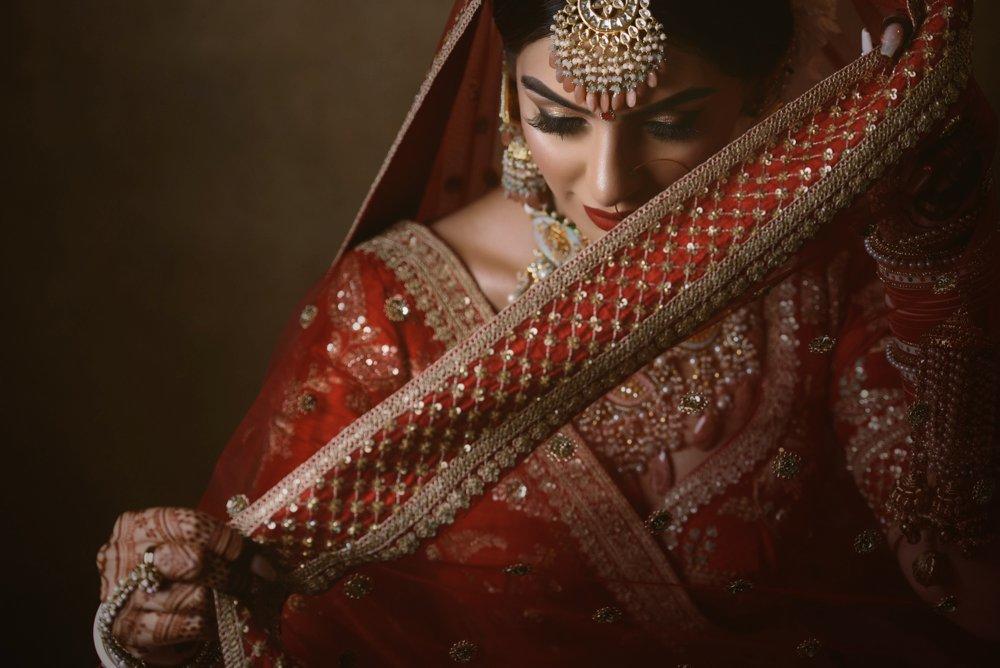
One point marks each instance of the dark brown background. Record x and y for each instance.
(178, 173)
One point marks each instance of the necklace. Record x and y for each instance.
(557, 239)
(645, 416)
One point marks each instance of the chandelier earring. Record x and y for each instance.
(521, 179)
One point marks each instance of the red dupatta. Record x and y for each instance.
(727, 230)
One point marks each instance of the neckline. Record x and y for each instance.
(467, 278)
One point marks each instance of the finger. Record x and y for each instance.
(143, 630)
(102, 570)
(892, 39)
(186, 562)
(867, 45)
(193, 564)
(178, 525)
(115, 560)
(184, 525)
(176, 598)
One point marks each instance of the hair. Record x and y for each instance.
(745, 39)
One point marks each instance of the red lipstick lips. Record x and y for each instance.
(606, 220)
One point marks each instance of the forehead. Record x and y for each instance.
(683, 69)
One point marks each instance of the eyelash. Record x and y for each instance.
(563, 126)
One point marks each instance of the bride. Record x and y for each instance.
(649, 343)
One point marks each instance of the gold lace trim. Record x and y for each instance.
(881, 438)
(615, 541)
(230, 635)
(452, 304)
(767, 429)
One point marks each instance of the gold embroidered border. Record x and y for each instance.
(440, 498)
(452, 304)
(767, 428)
(616, 542)
(230, 631)
(878, 417)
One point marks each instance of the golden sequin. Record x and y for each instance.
(692, 404)
(927, 568)
(396, 308)
(357, 586)
(945, 283)
(947, 605)
(918, 415)
(561, 447)
(786, 464)
(659, 521)
(607, 615)
(821, 345)
(808, 648)
(867, 541)
(983, 491)
(738, 586)
(237, 504)
(308, 403)
(463, 651)
(307, 316)
(518, 569)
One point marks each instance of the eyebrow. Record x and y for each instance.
(675, 100)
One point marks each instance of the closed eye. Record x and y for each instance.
(680, 129)
(562, 126)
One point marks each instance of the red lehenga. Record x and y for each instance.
(434, 478)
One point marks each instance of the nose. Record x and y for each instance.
(611, 175)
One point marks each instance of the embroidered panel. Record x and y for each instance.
(452, 304)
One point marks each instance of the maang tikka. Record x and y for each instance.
(521, 179)
(605, 51)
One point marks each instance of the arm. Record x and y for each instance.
(934, 230)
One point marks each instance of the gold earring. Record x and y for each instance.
(521, 179)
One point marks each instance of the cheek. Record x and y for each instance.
(716, 129)
(561, 161)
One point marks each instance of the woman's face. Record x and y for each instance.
(599, 170)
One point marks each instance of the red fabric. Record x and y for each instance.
(794, 540)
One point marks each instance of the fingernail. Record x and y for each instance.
(867, 45)
(262, 568)
(892, 38)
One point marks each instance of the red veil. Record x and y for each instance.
(783, 193)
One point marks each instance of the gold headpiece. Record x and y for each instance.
(605, 50)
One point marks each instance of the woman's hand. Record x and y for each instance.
(944, 174)
(194, 553)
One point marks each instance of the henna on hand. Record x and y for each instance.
(136, 532)
(138, 630)
(176, 598)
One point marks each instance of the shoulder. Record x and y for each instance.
(493, 238)
(415, 279)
